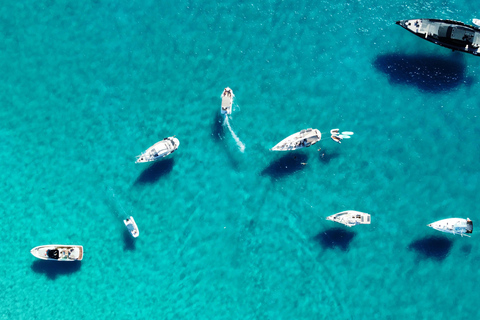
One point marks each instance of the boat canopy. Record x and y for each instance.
(53, 254)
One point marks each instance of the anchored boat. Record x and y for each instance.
(159, 150)
(131, 227)
(58, 252)
(299, 140)
(454, 226)
(227, 101)
(350, 218)
(446, 33)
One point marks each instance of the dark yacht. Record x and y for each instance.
(446, 33)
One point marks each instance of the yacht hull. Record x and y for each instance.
(299, 140)
(58, 252)
(350, 218)
(458, 226)
(159, 150)
(446, 33)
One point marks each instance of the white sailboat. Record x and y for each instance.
(350, 218)
(159, 150)
(454, 226)
(299, 140)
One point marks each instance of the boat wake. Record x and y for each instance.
(240, 144)
(118, 209)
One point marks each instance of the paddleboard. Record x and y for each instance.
(344, 136)
(348, 133)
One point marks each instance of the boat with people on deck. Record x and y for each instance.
(159, 150)
(458, 226)
(58, 252)
(451, 34)
(350, 218)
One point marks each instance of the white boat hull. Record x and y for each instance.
(350, 218)
(58, 252)
(299, 140)
(227, 101)
(159, 150)
(132, 227)
(458, 226)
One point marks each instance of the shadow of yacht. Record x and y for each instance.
(155, 171)
(286, 165)
(128, 241)
(433, 247)
(55, 268)
(218, 130)
(335, 238)
(427, 73)
(326, 156)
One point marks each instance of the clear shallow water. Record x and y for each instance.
(224, 234)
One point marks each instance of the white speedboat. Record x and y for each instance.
(454, 226)
(58, 252)
(131, 226)
(301, 139)
(159, 150)
(227, 101)
(350, 218)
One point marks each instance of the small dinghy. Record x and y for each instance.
(299, 140)
(159, 150)
(454, 226)
(227, 101)
(131, 226)
(337, 137)
(350, 218)
(58, 252)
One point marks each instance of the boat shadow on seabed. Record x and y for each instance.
(428, 73)
(335, 238)
(288, 164)
(52, 269)
(155, 171)
(433, 247)
(128, 241)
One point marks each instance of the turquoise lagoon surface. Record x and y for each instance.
(224, 234)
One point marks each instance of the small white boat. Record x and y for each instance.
(350, 218)
(131, 226)
(58, 252)
(159, 150)
(227, 101)
(454, 226)
(301, 139)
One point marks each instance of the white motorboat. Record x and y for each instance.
(301, 139)
(159, 150)
(131, 226)
(227, 101)
(350, 218)
(58, 252)
(454, 226)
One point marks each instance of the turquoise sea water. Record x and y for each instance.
(87, 85)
